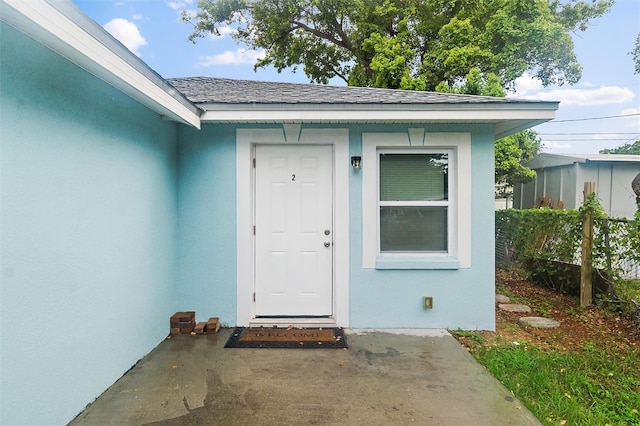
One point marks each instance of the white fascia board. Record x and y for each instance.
(508, 127)
(45, 23)
(506, 120)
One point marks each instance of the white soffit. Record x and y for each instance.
(46, 23)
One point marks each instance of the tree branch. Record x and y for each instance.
(340, 30)
(300, 25)
(336, 73)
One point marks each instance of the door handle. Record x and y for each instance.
(327, 243)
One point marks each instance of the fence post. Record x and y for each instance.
(586, 285)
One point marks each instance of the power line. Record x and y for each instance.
(595, 118)
(588, 139)
(589, 133)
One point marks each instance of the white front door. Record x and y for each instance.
(294, 230)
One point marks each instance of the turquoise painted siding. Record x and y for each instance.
(378, 298)
(462, 298)
(88, 233)
(207, 211)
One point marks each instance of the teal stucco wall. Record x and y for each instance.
(207, 210)
(111, 219)
(463, 298)
(88, 223)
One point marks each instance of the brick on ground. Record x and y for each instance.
(182, 322)
(199, 328)
(187, 316)
(213, 325)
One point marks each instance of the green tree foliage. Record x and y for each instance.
(629, 148)
(475, 83)
(407, 44)
(475, 47)
(636, 55)
(511, 153)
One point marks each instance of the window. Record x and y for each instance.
(416, 200)
(413, 202)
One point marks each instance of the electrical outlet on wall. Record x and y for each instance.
(428, 302)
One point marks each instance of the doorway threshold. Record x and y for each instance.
(293, 321)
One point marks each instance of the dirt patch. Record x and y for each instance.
(595, 325)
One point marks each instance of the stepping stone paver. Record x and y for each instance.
(514, 307)
(501, 298)
(539, 322)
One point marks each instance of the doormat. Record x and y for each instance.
(316, 338)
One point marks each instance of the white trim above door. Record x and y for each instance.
(246, 142)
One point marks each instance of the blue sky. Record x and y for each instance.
(152, 30)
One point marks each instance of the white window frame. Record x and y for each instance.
(458, 144)
(449, 203)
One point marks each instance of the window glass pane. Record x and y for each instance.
(414, 177)
(413, 229)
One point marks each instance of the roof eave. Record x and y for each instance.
(507, 118)
(66, 30)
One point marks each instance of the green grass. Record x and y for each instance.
(471, 335)
(544, 307)
(590, 386)
(502, 289)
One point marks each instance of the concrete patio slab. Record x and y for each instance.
(390, 377)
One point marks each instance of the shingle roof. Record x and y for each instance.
(602, 157)
(206, 90)
(546, 159)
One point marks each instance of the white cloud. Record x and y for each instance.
(137, 17)
(629, 111)
(527, 83)
(584, 95)
(239, 57)
(127, 33)
(180, 4)
(604, 95)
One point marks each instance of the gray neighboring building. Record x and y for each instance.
(561, 177)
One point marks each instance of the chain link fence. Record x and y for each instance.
(617, 257)
(616, 261)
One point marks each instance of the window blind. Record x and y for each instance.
(413, 177)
